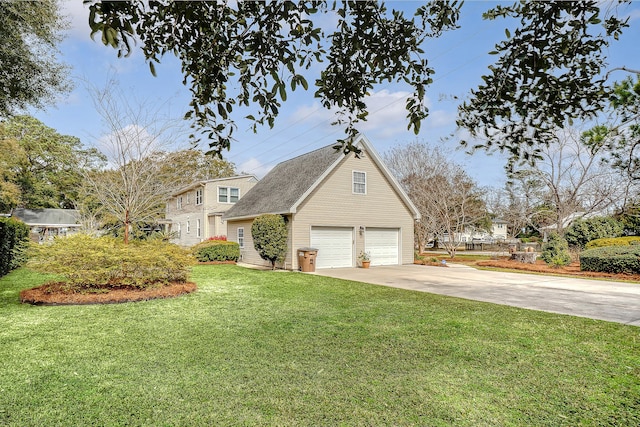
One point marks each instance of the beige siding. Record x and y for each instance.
(248, 253)
(333, 203)
(211, 224)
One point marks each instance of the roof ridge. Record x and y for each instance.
(308, 153)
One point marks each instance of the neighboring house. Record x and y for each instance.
(498, 232)
(44, 224)
(194, 213)
(336, 203)
(499, 229)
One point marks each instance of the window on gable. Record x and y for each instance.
(228, 194)
(241, 237)
(359, 182)
(199, 196)
(234, 194)
(223, 195)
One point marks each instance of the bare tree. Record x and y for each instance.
(131, 187)
(519, 203)
(448, 199)
(573, 179)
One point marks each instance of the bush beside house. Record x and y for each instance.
(216, 250)
(14, 237)
(269, 233)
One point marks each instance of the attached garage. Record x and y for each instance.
(335, 246)
(383, 244)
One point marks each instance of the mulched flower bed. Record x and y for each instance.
(540, 266)
(57, 294)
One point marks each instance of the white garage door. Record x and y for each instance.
(335, 246)
(382, 244)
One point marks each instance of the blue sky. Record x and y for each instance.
(460, 57)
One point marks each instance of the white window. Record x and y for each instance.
(228, 194)
(241, 237)
(179, 230)
(187, 201)
(199, 196)
(359, 182)
(198, 230)
(188, 227)
(179, 202)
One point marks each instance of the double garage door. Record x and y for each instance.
(336, 246)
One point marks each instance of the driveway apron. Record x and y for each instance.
(603, 300)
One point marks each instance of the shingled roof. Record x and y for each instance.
(280, 190)
(47, 217)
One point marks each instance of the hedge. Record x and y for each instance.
(14, 238)
(612, 259)
(613, 241)
(216, 250)
(84, 261)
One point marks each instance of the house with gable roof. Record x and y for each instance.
(339, 204)
(194, 213)
(46, 223)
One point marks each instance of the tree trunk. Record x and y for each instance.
(126, 227)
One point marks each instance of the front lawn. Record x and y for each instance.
(278, 348)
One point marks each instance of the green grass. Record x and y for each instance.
(277, 348)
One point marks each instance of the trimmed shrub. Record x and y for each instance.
(216, 250)
(617, 241)
(556, 251)
(269, 233)
(14, 239)
(583, 231)
(611, 259)
(87, 262)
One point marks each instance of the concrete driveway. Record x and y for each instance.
(612, 301)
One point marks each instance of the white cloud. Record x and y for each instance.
(78, 16)
(440, 119)
(255, 167)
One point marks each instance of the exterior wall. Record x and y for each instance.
(248, 254)
(499, 230)
(333, 203)
(209, 212)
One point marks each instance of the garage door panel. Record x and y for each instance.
(383, 245)
(335, 246)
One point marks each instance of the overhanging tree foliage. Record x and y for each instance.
(549, 72)
(235, 54)
(31, 75)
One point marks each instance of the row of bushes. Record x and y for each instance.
(612, 259)
(608, 255)
(14, 237)
(88, 262)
